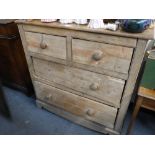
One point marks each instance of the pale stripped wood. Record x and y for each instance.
(69, 50)
(76, 119)
(62, 87)
(114, 58)
(101, 71)
(56, 45)
(110, 89)
(146, 35)
(116, 40)
(77, 105)
(134, 71)
(81, 32)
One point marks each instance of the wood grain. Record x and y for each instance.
(148, 104)
(133, 75)
(77, 105)
(113, 58)
(56, 45)
(72, 77)
(13, 67)
(147, 93)
(146, 35)
(76, 119)
(116, 40)
(62, 87)
(109, 89)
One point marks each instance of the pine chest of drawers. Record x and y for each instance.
(87, 76)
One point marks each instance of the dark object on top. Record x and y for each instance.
(109, 20)
(135, 25)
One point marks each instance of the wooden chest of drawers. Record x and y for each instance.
(13, 67)
(87, 76)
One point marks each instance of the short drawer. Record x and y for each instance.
(77, 105)
(46, 45)
(102, 56)
(99, 86)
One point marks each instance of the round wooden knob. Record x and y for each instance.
(90, 112)
(94, 86)
(98, 55)
(43, 45)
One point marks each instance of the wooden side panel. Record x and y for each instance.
(99, 86)
(13, 67)
(27, 56)
(111, 57)
(55, 45)
(129, 88)
(77, 105)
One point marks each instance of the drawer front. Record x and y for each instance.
(88, 83)
(77, 105)
(54, 46)
(102, 56)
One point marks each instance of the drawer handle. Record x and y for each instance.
(48, 97)
(43, 45)
(98, 55)
(94, 86)
(90, 112)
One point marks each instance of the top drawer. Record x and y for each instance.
(102, 56)
(46, 45)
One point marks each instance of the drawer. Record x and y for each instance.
(46, 45)
(99, 86)
(77, 105)
(102, 56)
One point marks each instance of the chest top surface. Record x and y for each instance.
(146, 35)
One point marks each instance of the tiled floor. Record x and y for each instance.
(28, 119)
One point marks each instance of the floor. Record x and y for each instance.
(27, 119)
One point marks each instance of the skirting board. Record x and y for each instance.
(76, 119)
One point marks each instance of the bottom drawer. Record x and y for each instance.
(83, 107)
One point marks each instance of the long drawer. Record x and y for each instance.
(77, 105)
(46, 45)
(102, 56)
(99, 86)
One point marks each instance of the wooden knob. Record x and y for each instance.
(97, 55)
(90, 112)
(94, 86)
(43, 45)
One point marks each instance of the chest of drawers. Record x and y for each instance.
(13, 67)
(87, 76)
